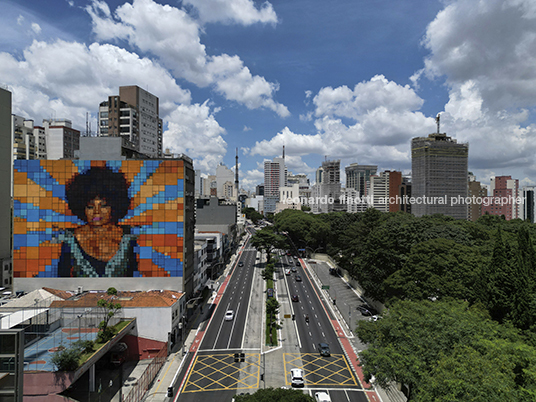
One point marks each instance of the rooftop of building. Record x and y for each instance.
(438, 137)
(128, 299)
(37, 298)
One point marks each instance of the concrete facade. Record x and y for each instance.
(476, 189)
(439, 172)
(528, 210)
(357, 177)
(133, 116)
(62, 140)
(6, 166)
(503, 187)
(274, 177)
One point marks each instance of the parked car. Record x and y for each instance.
(322, 397)
(335, 271)
(298, 278)
(240, 264)
(323, 349)
(296, 377)
(295, 298)
(364, 310)
(229, 315)
(371, 309)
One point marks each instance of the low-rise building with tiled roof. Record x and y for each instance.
(158, 312)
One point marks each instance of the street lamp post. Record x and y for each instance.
(79, 327)
(183, 329)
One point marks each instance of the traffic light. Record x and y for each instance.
(242, 357)
(236, 357)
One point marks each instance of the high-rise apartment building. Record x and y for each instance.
(404, 192)
(24, 143)
(528, 208)
(326, 193)
(478, 191)
(504, 193)
(6, 165)
(439, 175)
(224, 182)
(274, 177)
(384, 189)
(61, 139)
(133, 116)
(40, 142)
(29, 141)
(357, 177)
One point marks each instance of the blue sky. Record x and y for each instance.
(353, 80)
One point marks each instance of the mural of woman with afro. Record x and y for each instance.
(100, 247)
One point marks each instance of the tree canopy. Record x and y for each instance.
(417, 342)
(267, 239)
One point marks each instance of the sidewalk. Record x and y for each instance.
(165, 378)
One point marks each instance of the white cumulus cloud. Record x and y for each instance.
(486, 52)
(234, 11)
(173, 36)
(194, 131)
(372, 122)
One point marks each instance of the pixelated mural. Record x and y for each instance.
(98, 218)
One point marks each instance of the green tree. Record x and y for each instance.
(275, 395)
(413, 337)
(489, 371)
(267, 239)
(68, 358)
(497, 280)
(436, 269)
(108, 310)
(523, 308)
(305, 230)
(272, 308)
(252, 214)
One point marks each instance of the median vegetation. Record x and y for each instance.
(271, 306)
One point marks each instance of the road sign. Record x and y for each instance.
(325, 287)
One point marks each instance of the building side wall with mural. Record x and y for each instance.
(96, 224)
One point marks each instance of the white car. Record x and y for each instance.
(296, 377)
(322, 396)
(229, 315)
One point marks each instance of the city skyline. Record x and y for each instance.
(353, 81)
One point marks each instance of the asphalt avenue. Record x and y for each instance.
(228, 357)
